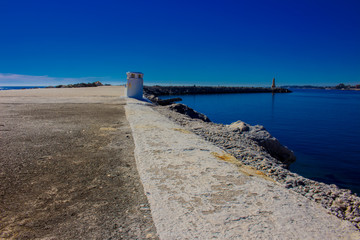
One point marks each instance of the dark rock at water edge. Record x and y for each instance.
(162, 102)
(183, 109)
(271, 144)
(263, 138)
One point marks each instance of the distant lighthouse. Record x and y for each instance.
(134, 85)
(273, 84)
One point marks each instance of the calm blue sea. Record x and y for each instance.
(322, 127)
(18, 87)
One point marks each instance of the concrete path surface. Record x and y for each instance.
(197, 191)
(67, 167)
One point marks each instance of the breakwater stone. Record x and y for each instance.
(185, 90)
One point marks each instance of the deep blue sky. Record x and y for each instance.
(180, 42)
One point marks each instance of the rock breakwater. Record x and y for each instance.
(185, 90)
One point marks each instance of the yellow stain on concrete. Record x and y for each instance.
(107, 129)
(182, 130)
(247, 170)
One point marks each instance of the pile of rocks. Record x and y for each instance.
(254, 146)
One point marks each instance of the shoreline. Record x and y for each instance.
(241, 142)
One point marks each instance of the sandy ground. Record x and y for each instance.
(67, 168)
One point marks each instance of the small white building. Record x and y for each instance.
(134, 85)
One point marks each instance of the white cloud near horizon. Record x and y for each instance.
(11, 79)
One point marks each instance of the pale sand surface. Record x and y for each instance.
(197, 192)
(108, 91)
(64, 95)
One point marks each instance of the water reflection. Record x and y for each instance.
(272, 105)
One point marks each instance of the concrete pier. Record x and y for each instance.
(87, 163)
(197, 191)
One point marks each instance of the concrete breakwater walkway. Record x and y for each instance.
(197, 191)
(70, 169)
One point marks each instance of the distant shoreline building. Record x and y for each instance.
(273, 84)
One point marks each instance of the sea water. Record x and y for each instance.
(18, 87)
(322, 127)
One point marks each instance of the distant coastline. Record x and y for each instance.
(154, 92)
(186, 90)
(19, 87)
(76, 85)
(340, 86)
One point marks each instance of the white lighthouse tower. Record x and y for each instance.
(134, 85)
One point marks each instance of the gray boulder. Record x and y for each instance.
(264, 139)
(259, 134)
(239, 125)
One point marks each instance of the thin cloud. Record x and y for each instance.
(11, 79)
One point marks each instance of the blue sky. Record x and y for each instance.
(244, 43)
